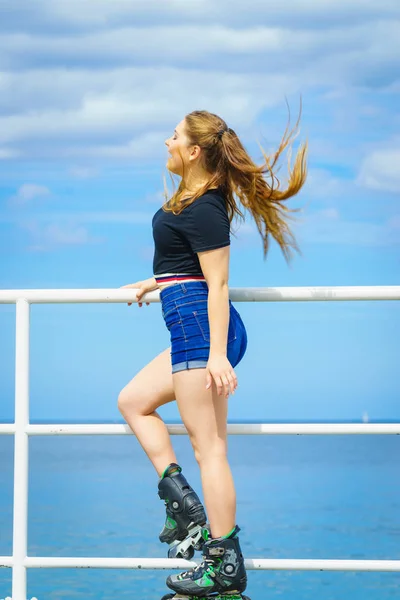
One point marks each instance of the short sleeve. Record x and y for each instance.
(209, 224)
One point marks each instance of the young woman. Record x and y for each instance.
(208, 338)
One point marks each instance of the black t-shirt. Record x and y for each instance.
(202, 225)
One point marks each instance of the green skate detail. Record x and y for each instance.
(171, 470)
(206, 534)
(207, 580)
(213, 597)
(170, 523)
(228, 535)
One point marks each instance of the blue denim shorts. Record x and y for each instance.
(184, 309)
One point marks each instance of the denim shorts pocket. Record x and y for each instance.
(171, 316)
(185, 305)
(201, 316)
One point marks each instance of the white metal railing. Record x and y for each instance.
(22, 429)
(233, 429)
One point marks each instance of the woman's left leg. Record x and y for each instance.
(204, 415)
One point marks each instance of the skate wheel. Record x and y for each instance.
(168, 597)
(188, 555)
(245, 598)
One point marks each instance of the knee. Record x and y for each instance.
(211, 451)
(127, 401)
(197, 454)
(122, 401)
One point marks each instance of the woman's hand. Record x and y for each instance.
(147, 285)
(220, 369)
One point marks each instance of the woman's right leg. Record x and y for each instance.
(148, 390)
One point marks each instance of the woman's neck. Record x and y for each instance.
(190, 188)
(194, 182)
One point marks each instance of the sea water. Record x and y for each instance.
(314, 497)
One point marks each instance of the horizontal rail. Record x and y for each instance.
(233, 429)
(167, 563)
(246, 294)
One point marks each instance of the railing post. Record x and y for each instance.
(21, 458)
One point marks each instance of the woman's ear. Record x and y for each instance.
(194, 152)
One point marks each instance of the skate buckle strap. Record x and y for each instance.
(216, 551)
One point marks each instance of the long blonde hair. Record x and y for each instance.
(234, 172)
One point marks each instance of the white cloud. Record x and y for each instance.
(28, 192)
(138, 110)
(142, 147)
(99, 14)
(321, 185)
(260, 47)
(380, 170)
(126, 72)
(121, 85)
(189, 45)
(128, 217)
(81, 172)
(6, 153)
(54, 235)
(327, 227)
(71, 219)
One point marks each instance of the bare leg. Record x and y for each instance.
(204, 414)
(150, 388)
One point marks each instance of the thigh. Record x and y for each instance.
(152, 387)
(203, 412)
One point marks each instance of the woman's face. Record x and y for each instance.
(179, 150)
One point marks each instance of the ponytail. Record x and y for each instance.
(262, 196)
(256, 186)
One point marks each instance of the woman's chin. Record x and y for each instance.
(172, 169)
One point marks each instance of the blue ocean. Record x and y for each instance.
(298, 497)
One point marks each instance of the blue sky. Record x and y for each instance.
(88, 93)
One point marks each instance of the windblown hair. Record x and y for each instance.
(234, 172)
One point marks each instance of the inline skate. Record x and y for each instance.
(220, 576)
(185, 515)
